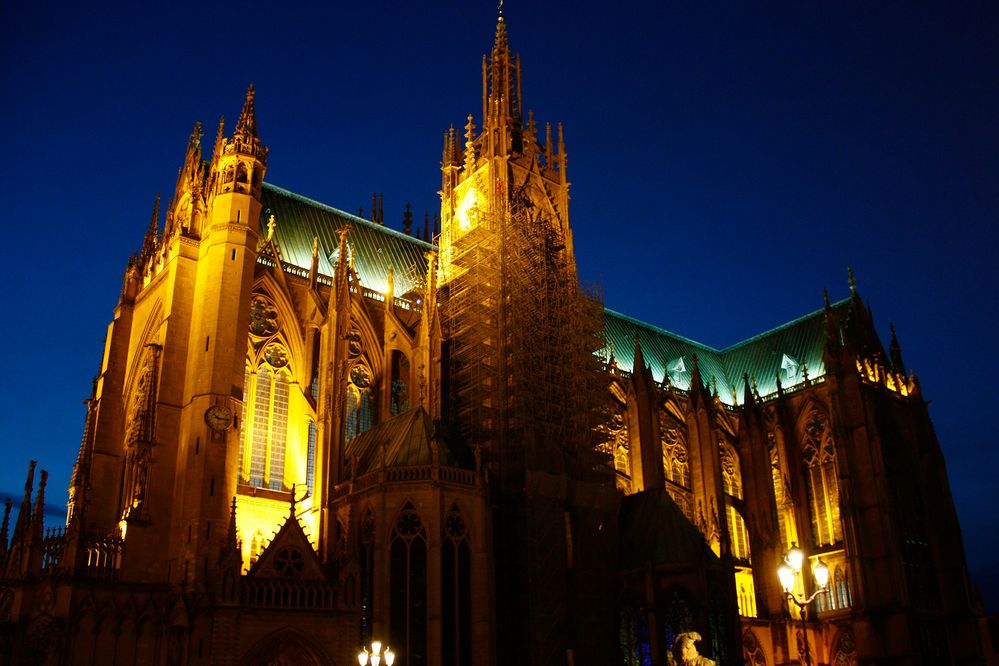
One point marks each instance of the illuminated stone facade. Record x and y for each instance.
(310, 431)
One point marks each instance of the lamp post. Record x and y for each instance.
(787, 571)
(375, 655)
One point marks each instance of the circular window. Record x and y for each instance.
(289, 562)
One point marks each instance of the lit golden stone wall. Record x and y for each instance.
(259, 517)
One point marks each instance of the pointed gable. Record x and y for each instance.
(289, 555)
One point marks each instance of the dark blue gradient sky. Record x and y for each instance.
(728, 161)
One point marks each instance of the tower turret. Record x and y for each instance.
(222, 278)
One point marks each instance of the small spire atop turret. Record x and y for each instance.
(895, 352)
(24, 516)
(407, 219)
(825, 299)
(639, 363)
(247, 123)
(748, 399)
(151, 240)
(4, 530)
(853, 281)
(449, 157)
(38, 518)
(219, 141)
(426, 226)
(231, 537)
(245, 137)
(501, 37)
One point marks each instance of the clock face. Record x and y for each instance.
(219, 418)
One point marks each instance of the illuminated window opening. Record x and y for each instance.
(310, 459)
(264, 428)
(677, 468)
(408, 587)
(821, 481)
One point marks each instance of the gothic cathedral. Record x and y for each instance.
(310, 432)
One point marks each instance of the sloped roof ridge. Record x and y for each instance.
(662, 331)
(350, 216)
(784, 326)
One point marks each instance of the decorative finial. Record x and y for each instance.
(271, 226)
(853, 281)
(292, 507)
(469, 144)
(825, 298)
(407, 219)
(500, 10)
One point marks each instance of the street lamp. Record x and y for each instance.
(787, 571)
(375, 656)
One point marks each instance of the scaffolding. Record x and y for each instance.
(525, 384)
(473, 317)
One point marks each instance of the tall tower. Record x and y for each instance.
(523, 384)
(213, 384)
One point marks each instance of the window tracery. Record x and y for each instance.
(408, 586)
(456, 590)
(266, 385)
(782, 495)
(366, 544)
(818, 455)
(676, 465)
(753, 651)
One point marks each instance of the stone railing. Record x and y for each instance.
(287, 594)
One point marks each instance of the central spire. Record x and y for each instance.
(501, 104)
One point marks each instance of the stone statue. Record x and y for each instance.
(684, 652)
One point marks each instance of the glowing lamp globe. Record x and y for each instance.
(821, 573)
(795, 557)
(786, 575)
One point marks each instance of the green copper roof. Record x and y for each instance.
(407, 440)
(788, 349)
(374, 247)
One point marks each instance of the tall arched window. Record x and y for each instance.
(310, 459)
(408, 587)
(841, 588)
(265, 423)
(838, 596)
(782, 497)
(732, 485)
(358, 409)
(676, 466)
(821, 482)
(456, 591)
(614, 433)
(367, 560)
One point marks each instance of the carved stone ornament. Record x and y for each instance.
(276, 355)
(263, 317)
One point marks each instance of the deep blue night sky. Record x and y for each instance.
(727, 161)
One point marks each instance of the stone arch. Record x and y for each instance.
(844, 652)
(752, 651)
(150, 335)
(290, 332)
(371, 343)
(285, 647)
